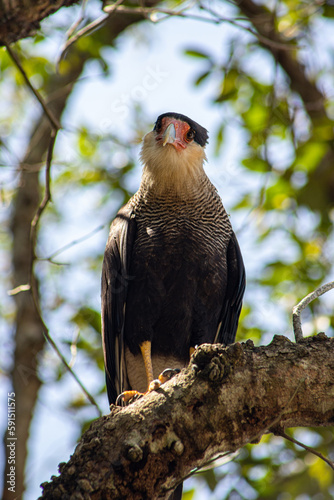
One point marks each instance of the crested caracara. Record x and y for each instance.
(173, 275)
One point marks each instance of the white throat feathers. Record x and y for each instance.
(168, 170)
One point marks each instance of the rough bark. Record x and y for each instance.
(21, 18)
(226, 398)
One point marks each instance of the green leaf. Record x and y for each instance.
(202, 77)
(219, 138)
(310, 154)
(88, 316)
(86, 145)
(256, 118)
(197, 53)
(256, 164)
(328, 10)
(229, 86)
(189, 494)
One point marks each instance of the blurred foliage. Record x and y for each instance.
(286, 153)
(287, 150)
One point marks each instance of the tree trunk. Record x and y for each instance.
(29, 339)
(226, 398)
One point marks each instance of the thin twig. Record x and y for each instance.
(54, 122)
(73, 243)
(32, 285)
(47, 193)
(35, 297)
(307, 448)
(33, 282)
(148, 12)
(42, 205)
(74, 348)
(217, 19)
(90, 28)
(19, 289)
(79, 20)
(265, 40)
(84, 31)
(55, 263)
(279, 431)
(296, 311)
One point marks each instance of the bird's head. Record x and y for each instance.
(174, 151)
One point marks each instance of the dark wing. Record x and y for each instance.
(236, 281)
(115, 279)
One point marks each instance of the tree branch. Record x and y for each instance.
(307, 448)
(226, 398)
(264, 22)
(22, 18)
(53, 121)
(296, 312)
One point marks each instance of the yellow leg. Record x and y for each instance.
(191, 351)
(145, 348)
(152, 384)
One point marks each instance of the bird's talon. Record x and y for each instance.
(168, 374)
(128, 397)
(119, 400)
(154, 385)
(192, 350)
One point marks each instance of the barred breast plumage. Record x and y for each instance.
(179, 265)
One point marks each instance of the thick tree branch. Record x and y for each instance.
(22, 18)
(226, 398)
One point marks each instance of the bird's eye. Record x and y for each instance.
(190, 135)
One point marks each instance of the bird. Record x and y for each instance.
(173, 275)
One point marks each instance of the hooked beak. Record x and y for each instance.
(169, 135)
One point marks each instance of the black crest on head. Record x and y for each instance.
(201, 134)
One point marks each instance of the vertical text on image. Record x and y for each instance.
(11, 443)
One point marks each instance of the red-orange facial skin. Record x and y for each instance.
(181, 129)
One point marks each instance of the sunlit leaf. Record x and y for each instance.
(202, 77)
(197, 53)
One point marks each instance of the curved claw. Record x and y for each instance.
(168, 374)
(127, 396)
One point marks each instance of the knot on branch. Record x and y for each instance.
(208, 362)
(216, 370)
(164, 438)
(215, 362)
(134, 453)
